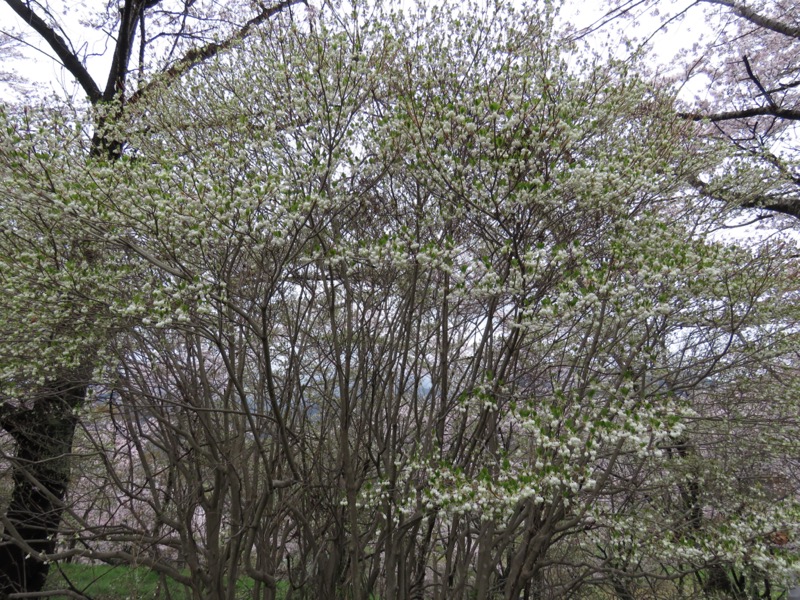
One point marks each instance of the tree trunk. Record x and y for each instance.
(43, 436)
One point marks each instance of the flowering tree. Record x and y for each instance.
(746, 62)
(419, 305)
(60, 272)
(743, 63)
(453, 303)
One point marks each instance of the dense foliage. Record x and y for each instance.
(408, 305)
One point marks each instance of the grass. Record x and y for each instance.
(105, 582)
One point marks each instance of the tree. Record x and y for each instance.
(38, 411)
(416, 306)
(746, 62)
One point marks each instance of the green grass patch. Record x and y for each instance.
(105, 582)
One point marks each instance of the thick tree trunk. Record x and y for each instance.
(43, 435)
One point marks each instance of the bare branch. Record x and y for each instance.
(755, 80)
(612, 14)
(756, 18)
(122, 51)
(68, 58)
(790, 114)
(197, 55)
(765, 202)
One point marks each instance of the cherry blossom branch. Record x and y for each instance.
(790, 114)
(757, 18)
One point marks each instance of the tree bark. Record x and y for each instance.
(43, 436)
